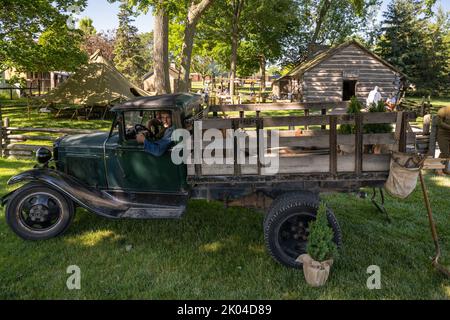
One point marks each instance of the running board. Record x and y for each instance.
(154, 212)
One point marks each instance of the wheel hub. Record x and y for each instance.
(39, 213)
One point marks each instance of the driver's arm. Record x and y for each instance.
(158, 148)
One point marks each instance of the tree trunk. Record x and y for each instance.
(322, 13)
(262, 69)
(237, 9)
(161, 52)
(194, 15)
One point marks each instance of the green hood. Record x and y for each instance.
(93, 140)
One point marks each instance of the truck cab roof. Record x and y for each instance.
(180, 101)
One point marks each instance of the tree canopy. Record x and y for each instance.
(34, 35)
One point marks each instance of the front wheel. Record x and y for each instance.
(38, 212)
(286, 227)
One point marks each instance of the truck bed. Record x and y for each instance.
(309, 156)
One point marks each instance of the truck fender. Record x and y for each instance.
(94, 200)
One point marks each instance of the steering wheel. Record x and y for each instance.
(139, 128)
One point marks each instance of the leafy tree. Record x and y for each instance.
(326, 22)
(103, 41)
(87, 26)
(128, 47)
(34, 35)
(147, 49)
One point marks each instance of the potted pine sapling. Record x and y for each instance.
(353, 108)
(377, 127)
(321, 250)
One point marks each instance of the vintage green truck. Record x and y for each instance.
(110, 174)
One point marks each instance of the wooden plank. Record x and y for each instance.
(52, 130)
(277, 106)
(333, 145)
(23, 147)
(305, 164)
(32, 138)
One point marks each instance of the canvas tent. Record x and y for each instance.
(98, 83)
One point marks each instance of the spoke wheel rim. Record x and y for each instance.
(39, 212)
(292, 234)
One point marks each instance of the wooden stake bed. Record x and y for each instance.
(309, 157)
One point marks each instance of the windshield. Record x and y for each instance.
(149, 120)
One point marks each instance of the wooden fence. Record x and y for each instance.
(14, 141)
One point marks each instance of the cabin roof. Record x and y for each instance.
(308, 64)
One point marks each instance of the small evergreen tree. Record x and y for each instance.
(321, 246)
(354, 107)
(128, 47)
(378, 127)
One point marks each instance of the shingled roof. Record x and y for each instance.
(308, 64)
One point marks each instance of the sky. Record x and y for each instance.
(104, 15)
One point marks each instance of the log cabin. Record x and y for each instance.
(338, 73)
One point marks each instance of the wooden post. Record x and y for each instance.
(433, 133)
(358, 143)
(403, 133)
(333, 145)
(324, 113)
(306, 114)
(259, 126)
(237, 166)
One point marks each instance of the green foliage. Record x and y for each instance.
(326, 22)
(415, 43)
(128, 47)
(321, 246)
(354, 107)
(263, 28)
(34, 36)
(378, 127)
(86, 26)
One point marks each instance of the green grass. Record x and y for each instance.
(218, 253)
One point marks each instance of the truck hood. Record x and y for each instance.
(92, 140)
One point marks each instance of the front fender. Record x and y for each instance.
(89, 198)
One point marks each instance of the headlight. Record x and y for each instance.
(43, 155)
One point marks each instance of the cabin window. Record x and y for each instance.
(349, 89)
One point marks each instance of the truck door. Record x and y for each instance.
(130, 168)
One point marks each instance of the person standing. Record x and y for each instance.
(443, 136)
(374, 97)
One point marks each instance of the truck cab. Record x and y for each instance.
(107, 173)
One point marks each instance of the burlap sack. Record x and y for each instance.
(316, 273)
(403, 174)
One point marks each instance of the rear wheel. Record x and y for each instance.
(38, 212)
(286, 227)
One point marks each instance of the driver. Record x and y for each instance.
(159, 147)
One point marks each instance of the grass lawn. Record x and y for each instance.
(218, 253)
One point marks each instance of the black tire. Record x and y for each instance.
(38, 212)
(286, 226)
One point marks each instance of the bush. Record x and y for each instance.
(354, 107)
(321, 246)
(378, 127)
